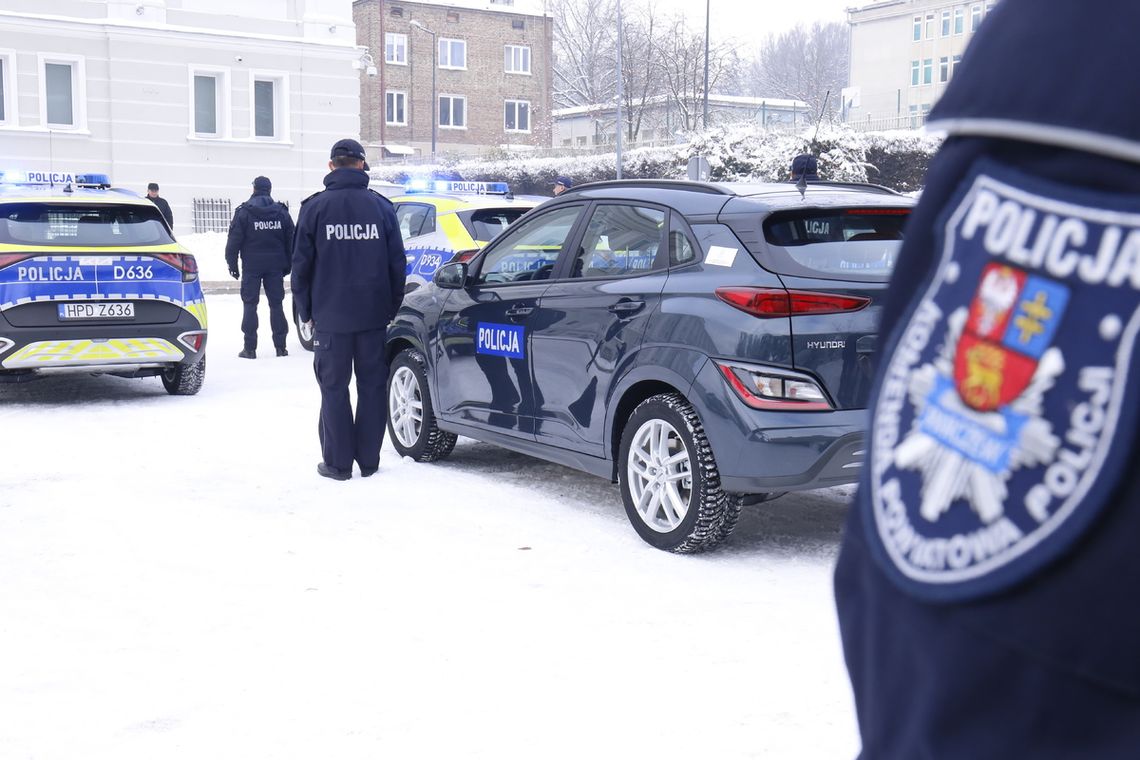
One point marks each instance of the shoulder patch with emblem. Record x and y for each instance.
(1002, 423)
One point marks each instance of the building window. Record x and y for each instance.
(396, 49)
(452, 54)
(516, 117)
(914, 73)
(917, 28)
(927, 70)
(959, 20)
(954, 65)
(930, 25)
(62, 92)
(7, 88)
(517, 59)
(209, 91)
(517, 23)
(270, 105)
(453, 111)
(975, 17)
(395, 108)
(946, 23)
(453, 17)
(397, 12)
(944, 69)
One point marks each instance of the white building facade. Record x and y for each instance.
(903, 56)
(200, 96)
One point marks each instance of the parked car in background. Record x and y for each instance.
(706, 346)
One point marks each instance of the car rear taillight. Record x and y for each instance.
(762, 389)
(7, 259)
(184, 262)
(768, 303)
(192, 340)
(464, 256)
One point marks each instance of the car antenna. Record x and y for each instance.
(802, 184)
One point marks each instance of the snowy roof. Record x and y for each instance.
(715, 100)
(517, 7)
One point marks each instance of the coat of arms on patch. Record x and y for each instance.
(1005, 410)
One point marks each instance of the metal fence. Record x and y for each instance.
(212, 214)
(887, 123)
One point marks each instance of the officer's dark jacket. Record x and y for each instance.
(164, 208)
(348, 258)
(1048, 666)
(262, 231)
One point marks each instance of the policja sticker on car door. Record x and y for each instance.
(1000, 427)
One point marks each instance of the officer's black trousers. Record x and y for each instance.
(251, 284)
(336, 356)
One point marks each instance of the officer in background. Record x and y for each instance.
(987, 582)
(262, 232)
(163, 206)
(805, 166)
(348, 282)
(562, 184)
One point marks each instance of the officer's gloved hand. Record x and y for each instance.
(234, 274)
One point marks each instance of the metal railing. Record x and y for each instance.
(212, 214)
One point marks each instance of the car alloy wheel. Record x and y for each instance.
(405, 406)
(660, 476)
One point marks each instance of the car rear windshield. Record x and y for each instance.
(72, 225)
(483, 224)
(847, 242)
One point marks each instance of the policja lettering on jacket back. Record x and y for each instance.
(352, 232)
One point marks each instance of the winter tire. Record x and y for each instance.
(411, 419)
(669, 479)
(304, 334)
(184, 379)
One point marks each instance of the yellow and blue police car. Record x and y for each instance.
(440, 219)
(92, 281)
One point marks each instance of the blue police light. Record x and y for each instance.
(417, 186)
(92, 180)
(13, 176)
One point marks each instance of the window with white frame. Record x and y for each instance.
(944, 69)
(453, 111)
(917, 28)
(396, 108)
(452, 54)
(396, 49)
(946, 23)
(7, 87)
(927, 70)
(959, 21)
(516, 59)
(63, 98)
(914, 73)
(516, 116)
(975, 17)
(270, 107)
(954, 65)
(930, 25)
(209, 96)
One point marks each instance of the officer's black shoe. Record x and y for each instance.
(367, 472)
(326, 471)
(282, 351)
(247, 353)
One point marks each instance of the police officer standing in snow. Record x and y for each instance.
(262, 232)
(987, 583)
(348, 281)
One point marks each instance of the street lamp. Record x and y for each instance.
(434, 66)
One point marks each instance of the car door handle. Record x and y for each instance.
(519, 311)
(626, 307)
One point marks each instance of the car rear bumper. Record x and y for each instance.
(104, 347)
(764, 451)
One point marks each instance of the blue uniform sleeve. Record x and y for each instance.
(236, 238)
(304, 256)
(397, 260)
(289, 232)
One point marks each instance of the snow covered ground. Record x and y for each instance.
(179, 583)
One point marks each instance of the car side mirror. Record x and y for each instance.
(451, 276)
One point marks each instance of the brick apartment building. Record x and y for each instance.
(493, 70)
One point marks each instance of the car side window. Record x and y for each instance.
(620, 240)
(528, 250)
(681, 249)
(415, 219)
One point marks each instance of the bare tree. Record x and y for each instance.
(639, 64)
(803, 63)
(681, 67)
(585, 47)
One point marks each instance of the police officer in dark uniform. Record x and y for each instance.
(262, 232)
(987, 583)
(348, 280)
